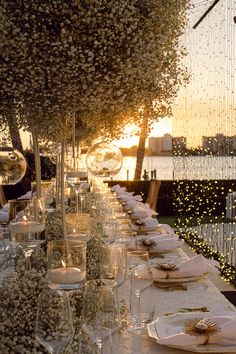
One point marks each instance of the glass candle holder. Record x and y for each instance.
(78, 226)
(66, 264)
(27, 224)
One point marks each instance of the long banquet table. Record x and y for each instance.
(207, 295)
(204, 295)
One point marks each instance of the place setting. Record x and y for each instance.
(200, 332)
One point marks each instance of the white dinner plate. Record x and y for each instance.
(173, 324)
(178, 280)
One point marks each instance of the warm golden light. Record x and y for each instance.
(131, 132)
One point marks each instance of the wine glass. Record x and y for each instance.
(54, 329)
(109, 228)
(125, 234)
(82, 191)
(99, 319)
(141, 298)
(113, 268)
(76, 180)
(27, 224)
(73, 178)
(137, 258)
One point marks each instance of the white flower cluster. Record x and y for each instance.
(102, 59)
(18, 298)
(19, 294)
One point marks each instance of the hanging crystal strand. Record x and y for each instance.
(73, 141)
(58, 178)
(62, 185)
(37, 163)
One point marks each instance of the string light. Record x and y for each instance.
(205, 148)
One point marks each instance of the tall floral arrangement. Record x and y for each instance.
(103, 59)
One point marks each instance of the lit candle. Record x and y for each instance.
(26, 227)
(67, 275)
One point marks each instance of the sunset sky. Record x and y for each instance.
(159, 129)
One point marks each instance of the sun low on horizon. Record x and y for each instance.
(164, 126)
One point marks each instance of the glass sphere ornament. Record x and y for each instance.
(104, 159)
(12, 166)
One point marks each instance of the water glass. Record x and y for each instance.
(99, 314)
(136, 258)
(27, 224)
(141, 298)
(113, 268)
(126, 234)
(66, 264)
(109, 231)
(54, 328)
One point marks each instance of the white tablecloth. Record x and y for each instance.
(169, 302)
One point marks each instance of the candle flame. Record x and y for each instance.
(24, 217)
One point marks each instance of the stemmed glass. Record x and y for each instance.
(54, 329)
(113, 268)
(109, 227)
(76, 180)
(99, 315)
(82, 191)
(73, 179)
(141, 298)
(26, 228)
(137, 258)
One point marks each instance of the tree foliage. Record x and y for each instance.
(110, 61)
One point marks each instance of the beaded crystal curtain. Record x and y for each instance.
(204, 122)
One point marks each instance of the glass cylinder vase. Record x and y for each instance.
(66, 264)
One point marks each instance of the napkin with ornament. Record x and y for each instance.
(196, 266)
(126, 197)
(131, 204)
(118, 189)
(142, 211)
(216, 327)
(158, 243)
(147, 223)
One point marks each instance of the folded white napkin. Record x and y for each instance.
(26, 196)
(118, 189)
(131, 204)
(148, 223)
(226, 336)
(164, 228)
(5, 208)
(3, 217)
(192, 267)
(159, 243)
(127, 196)
(141, 211)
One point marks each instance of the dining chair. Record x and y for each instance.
(2, 197)
(153, 191)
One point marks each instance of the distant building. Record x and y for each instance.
(160, 145)
(167, 144)
(219, 144)
(179, 144)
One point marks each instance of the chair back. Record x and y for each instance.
(153, 191)
(2, 197)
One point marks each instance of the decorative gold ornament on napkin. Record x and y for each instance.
(168, 267)
(148, 243)
(204, 328)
